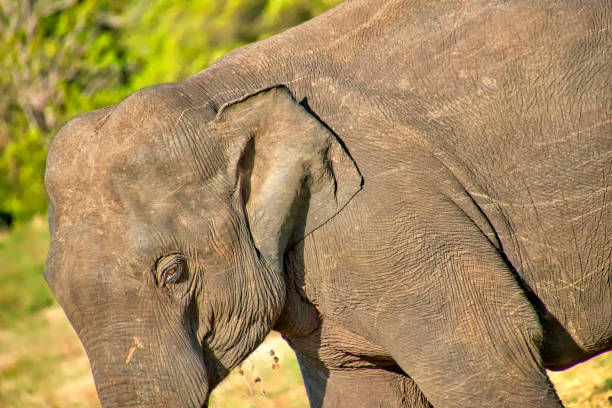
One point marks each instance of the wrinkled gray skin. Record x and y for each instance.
(415, 194)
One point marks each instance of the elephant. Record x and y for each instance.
(415, 194)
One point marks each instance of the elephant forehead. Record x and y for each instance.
(153, 137)
(152, 140)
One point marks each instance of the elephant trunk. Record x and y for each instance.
(147, 369)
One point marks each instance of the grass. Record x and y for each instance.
(588, 385)
(42, 363)
(258, 384)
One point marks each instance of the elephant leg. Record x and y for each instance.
(342, 369)
(467, 333)
(354, 388)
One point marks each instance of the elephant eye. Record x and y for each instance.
(170, 269)
(173, 273)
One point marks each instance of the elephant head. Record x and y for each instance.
(169, 225)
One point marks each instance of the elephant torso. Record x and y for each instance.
(509, 101)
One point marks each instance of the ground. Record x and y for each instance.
(42, 363)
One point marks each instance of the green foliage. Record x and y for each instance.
(21, 166)
(22, 256)
(59, 58)
(52, 53)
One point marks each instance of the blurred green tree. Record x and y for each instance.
(51, 53)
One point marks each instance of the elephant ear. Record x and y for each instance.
(293, 173)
